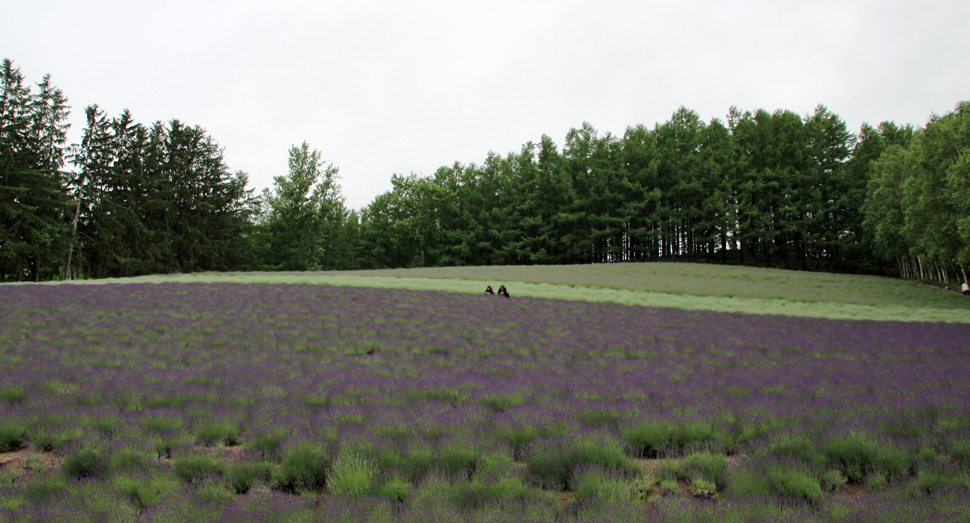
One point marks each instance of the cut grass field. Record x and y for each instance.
(679, 285)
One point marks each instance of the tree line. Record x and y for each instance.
(772, 189)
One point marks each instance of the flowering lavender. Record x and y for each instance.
(425, 384)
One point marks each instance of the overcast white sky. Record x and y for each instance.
(383, 87)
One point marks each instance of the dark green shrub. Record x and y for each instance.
(751, 481)
(457, 456)
(193, 469)
(792, 480)
(131, 459)
(144, 492)
(939, 478)
(518, 437)
(703, 488)
(475, 494)
(670, 469)
(107, 425)
(707, 467)
(501, 401)
(795, 484)
(161, 425)
(552, 462)
(305, 468)
(433, 493)
(649, 438)
(219, 433)
(165, 446)
(46, 489)
(267, 444)
(210, 491)
(416, 461)
(832, 479)
(244, 476)
(857, 453)
(876, 480)
(497, 480)
(14, 394)
(802, 449)
(395, 489)
(600, 449)
(596, 485)
(12, 436)
(87, 463)
(959, 451)
(53, 431)
(687, 432)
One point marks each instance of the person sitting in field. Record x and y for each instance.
(965, 288)
(488, 290)
(502, 291)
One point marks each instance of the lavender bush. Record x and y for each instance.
(469, 407)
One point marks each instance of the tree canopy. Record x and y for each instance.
(772, 189)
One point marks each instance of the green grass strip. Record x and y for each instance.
(584, 293)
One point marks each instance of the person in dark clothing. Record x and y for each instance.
(488, 290)
(502, 291)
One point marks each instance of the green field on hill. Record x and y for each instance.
(680, 285)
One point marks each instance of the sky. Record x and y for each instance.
(389, 87)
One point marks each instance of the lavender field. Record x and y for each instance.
(252, 402)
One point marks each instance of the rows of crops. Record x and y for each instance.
(304, 402)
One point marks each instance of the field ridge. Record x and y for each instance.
(922, 304)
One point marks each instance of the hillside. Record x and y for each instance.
(679, 285)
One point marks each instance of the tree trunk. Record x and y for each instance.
(77, 213)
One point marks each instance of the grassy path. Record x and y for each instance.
(683, 286)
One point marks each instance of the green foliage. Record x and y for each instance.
(832, 479)
(161, 425)
(959, 450)
(477, 493)
(13, 394)
(210, 491)
(86, 463)
(433, 492)
(595, 485)
(12, 435)
(33, 189)
(145, 491)
(649, 437)
(707, 467)
(267, 444)
(305, 468)
(497, 480)
(196, 468)
(244, 476)
(396, 489)
(940, 478)
(917, 199)
(552, 461)
(130, 459)
(457, 456)
(798, 447)
(857, 453)
(225, 432)
(54, 435)
(796, 484)
(126, 192)
(351, 474)
(305, 225)
(45, 489)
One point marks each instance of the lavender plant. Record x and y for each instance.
(269, 384)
